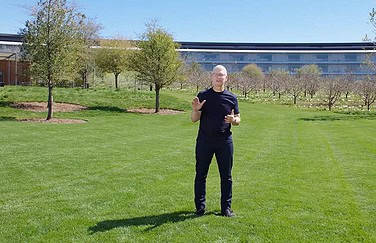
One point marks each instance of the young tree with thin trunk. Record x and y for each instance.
(196, 76)
(86, 59)
(242, 82)
(332, 88)
(309, 76)
(112, 57)
(348, 84)
(294, 86)
(277, 80)
(156, 61)
(254, 76)
(51, 41)
(367, 90)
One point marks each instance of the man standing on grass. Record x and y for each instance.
(217, 109)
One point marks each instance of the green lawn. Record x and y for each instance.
(299, 175)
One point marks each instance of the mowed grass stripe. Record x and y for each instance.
(299, 175)
(306, 177)
(358, 170)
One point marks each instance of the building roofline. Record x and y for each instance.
(242, 46)
(10, 37)
(278, 46)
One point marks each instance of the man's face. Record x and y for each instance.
(218, 77)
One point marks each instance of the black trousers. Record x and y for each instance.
(223, 151)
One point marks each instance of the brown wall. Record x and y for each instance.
(9, 78)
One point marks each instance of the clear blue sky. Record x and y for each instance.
(260, 21)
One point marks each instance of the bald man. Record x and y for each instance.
(216, 109)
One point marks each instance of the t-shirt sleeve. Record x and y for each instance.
(200, 97)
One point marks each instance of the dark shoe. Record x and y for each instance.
(200, 212)
(228, 213)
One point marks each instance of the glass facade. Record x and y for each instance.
(293, 57)
(351, 57)
(265, 57)
(332, 59)
(322, 57)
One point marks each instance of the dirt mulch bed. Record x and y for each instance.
(53, 120)
(152, 111)
(64, 107)
(42, 106)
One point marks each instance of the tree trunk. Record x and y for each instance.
(295, 96)
(157, 88)
(330, 105)
(84, 79)
(116, 80)
(49, 102)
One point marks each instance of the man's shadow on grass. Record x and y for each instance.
(152, 221)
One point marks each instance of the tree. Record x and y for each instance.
(367, 89)
(278, 78)
(309, 75)
(294, 86)
(254, 75)
(332, 88)
(242, 82)
(51, 41)
(156, 61)
(197, 76)
(112, 57)
(348, 84)
(86, 58)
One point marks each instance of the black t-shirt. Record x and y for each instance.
(216, 107)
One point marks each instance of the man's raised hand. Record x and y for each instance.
(196, 104)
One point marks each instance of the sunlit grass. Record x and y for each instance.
(300, 175)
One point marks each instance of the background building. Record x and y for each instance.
(331, 58)
(12, 70)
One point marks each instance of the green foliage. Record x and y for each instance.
(249, 79)
(253, 71)
(156, 61)
(309, 71)
(89, 33)
(112, 57)
(52, 39)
